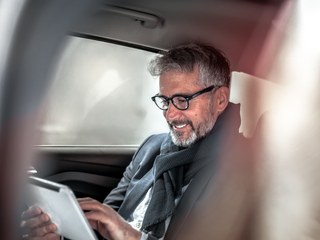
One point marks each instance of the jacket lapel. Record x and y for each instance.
(193, 192)
(136, 194)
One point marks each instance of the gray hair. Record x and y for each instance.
(212, 64)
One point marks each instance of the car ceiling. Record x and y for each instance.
(239, 28)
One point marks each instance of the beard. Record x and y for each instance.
(198, 132)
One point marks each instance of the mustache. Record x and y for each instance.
(180, 122)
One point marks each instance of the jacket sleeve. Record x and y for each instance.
(116, 196)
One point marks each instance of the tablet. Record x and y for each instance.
(59, 202)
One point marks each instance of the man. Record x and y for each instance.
(168, 168)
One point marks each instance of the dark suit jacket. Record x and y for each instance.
(216, 205)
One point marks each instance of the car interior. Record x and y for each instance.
(98, 108)
(114, 44)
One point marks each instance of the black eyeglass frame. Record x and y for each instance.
(188, 98)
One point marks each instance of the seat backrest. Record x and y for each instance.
(256, 96)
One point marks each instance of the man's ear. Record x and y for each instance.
(222, 98)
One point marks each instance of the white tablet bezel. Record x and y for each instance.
(59, 202)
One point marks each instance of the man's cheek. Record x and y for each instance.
(164, 113)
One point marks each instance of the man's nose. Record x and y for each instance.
(172, 113)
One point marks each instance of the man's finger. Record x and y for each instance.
(97, 216)
(86, 199)
(31, 212)
(36, 221)
(42, 231)
(95, 206)
(93, 224)
(50, 236)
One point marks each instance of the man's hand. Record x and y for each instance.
(107, 221)
(36, 225)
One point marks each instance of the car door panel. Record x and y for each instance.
(89, 172)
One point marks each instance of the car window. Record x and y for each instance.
(100, 95)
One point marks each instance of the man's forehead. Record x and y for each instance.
(177, 81)
(180, 90)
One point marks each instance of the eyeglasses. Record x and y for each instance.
(179, 101)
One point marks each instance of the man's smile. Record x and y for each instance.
(179, 126)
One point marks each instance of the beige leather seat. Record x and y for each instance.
(256, 96)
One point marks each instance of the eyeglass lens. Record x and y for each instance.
(179, 102)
